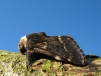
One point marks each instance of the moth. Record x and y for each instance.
(61, 48)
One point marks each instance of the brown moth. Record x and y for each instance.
(61, 48)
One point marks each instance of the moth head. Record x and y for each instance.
(22, 45)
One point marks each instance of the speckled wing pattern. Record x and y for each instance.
(63, 48)
(67, 49)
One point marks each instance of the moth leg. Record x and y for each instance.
(29, 59)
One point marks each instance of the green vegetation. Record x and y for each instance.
(14, 64)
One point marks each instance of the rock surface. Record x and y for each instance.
(14, 64)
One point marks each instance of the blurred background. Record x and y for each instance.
(80, 19)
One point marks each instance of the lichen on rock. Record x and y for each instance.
(14, 64)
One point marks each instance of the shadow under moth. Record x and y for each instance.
(61, 48)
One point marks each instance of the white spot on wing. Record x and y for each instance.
(59, 37)
(57, 57)
(45, 45)
(69, 59)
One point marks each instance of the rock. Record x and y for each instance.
(14, 64)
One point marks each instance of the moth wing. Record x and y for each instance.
(71, 51)
(62, 48)
(66, 49)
